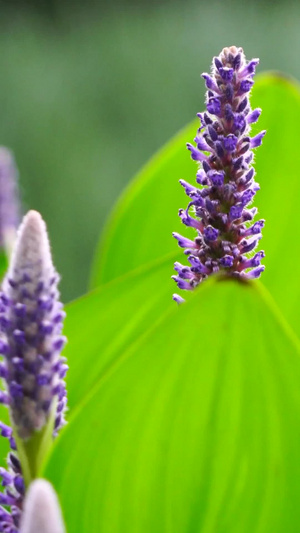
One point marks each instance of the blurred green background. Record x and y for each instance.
(89, 90)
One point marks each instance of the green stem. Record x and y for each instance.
(31, 452)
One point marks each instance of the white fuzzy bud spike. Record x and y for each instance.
(31, 318)
(32, 250)
(42, 513)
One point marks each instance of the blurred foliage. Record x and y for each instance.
(89, 92)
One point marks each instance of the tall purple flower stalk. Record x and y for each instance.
(9, 199)
(219, 209)
(32, 369)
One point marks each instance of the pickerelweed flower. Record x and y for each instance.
(219, 209)
(9, 200)
(31, 342)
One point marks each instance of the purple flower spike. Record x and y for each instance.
(9, 200)
(219, 210)
(30, 342)
(33, 336)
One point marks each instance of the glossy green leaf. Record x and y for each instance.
(141, 225)
(196, 429)
(104, 323)
(109, 319)
(277, 165)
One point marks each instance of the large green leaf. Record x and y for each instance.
(278, 164)
(141, 225)
(197, 428)
(104, 323)
(107, 320)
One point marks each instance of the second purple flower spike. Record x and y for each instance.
(219, 208)
(33, 369)
(31, 321)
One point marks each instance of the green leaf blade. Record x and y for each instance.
(197, 429)
(277, 166)
(140, 228)
(106, 321)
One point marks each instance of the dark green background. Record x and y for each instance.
(89, 91)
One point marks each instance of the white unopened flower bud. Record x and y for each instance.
(42, 513)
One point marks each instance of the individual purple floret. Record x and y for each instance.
(219, 210)
(33, 370)
(9, 199)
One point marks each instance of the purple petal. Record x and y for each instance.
(257, 140)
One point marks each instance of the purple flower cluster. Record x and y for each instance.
(13, 483)
(219, 210)
(9, 199)
(33, 370)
